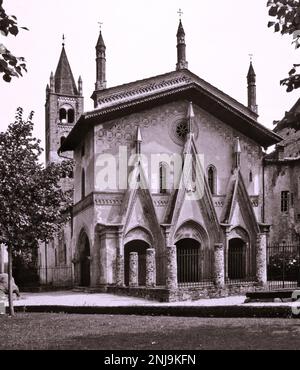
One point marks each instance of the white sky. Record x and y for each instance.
(140, 37)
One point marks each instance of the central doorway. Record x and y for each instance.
(140, 247)
(188, 261)
(236, 259)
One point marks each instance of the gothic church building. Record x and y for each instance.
(190, 225)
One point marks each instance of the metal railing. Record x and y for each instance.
(240, 265)
(194, 267)
(283, 266)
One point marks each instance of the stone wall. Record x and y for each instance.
(282, 176)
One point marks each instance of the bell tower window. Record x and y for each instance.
(62, 115)
(66, 114)
(71, 116)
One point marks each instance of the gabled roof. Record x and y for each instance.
(64, 80)
(199, 194)
(177, 85)
(236, 189)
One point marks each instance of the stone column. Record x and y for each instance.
(120, 270)
(133, 269)
(120, 261)
(261, 259)
(219, 266)
(171, 281)
(150, 268)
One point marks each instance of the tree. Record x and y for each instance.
(33, 207)
(10, 65)
(287, 22)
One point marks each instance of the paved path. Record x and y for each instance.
(68, 298)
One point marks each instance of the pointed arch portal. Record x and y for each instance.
(140, 247)
(236, 259)
(189, 261)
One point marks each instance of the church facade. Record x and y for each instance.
(169, 184)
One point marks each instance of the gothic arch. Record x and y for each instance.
(191, 229)
(139, 233)
(240, 255)
(239, 232)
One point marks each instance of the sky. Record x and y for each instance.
(140, 38)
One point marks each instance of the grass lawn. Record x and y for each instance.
(63, 331)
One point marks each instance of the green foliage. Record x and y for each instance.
(32, 204)
(287, 22)
(10, 65)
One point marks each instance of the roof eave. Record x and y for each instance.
(265, 138)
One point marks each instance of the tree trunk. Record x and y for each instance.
(10, 287)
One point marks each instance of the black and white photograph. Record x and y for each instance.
(149, 178)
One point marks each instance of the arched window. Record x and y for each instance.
(250, 176)
(62, 139)
(212, 179)
(62, 115)
(82, 184)
(71, 116)
(163, 183)
(66, 114)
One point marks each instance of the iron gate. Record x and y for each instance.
(283, 266)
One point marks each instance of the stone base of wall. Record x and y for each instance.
(162, 294)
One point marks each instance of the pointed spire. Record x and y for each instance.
(101, 63)
(251, 80)
(138, 140)
(190, 118)
(180, 31)
(237, 152)
(251, 76)
(80, 86)
(100, 42)
(181, 54)
(47, 89)
(64, 80)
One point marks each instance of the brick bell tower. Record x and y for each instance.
(64, 105)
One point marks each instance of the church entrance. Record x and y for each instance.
(188, 261)
(85, 273)
(140, 247)
(236, 259)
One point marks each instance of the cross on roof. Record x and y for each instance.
(251, 57)
(100, 25)
(180, 12)
(63, 39)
